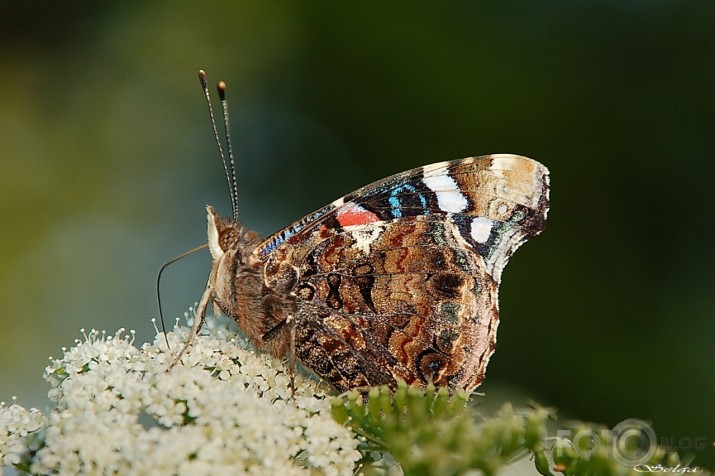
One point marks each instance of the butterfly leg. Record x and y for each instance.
(199, 320)
(290, 320)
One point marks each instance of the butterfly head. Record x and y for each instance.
(223, 234)
(227, 235)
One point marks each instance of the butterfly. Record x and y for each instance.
(395, 281)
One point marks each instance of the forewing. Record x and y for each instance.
(502, 199)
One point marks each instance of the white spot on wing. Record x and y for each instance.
(449, 197)
(365, 238)
(481, 229)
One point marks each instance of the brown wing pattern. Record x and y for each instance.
(399, 280)
(412, 308)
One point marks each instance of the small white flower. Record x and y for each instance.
(224, 410)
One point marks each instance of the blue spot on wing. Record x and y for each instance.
(398, 195)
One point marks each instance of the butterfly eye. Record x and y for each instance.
(228, 239)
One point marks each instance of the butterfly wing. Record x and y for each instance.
(400, 278)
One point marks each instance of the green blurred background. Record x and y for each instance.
(107, 162)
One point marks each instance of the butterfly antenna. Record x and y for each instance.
(158, 285)
(229, 171)
(221, 86)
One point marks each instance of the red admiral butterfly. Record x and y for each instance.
(397, 280)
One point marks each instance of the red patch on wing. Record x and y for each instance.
(353, 215)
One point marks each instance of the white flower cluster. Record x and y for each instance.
(20, 433)
(224, 410)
